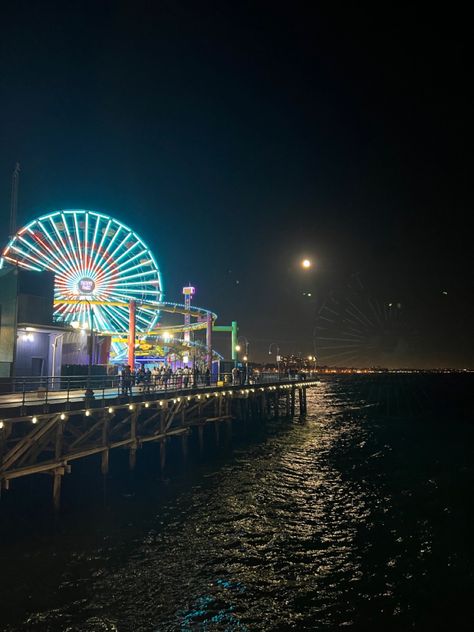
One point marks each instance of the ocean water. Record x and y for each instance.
(359, 516)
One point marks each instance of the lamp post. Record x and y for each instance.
(246, 356)
(89, 392)
(274, 344)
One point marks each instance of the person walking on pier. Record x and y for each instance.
(208, 377)
(185, 377)
(126, 380)
(235, 376)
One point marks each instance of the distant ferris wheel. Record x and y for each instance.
(99, 264)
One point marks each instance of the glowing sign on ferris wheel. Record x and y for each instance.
(95, 256)
(86, 286)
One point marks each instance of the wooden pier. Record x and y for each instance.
(49, 442)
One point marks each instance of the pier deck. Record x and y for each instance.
(50, 440)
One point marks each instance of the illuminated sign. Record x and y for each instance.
(86, 286)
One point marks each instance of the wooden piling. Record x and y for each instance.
(162, 454)
(133, 439)
(105, 443)
(201, 438)
(184, 445)
(58, 471)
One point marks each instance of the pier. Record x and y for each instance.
(71, 428)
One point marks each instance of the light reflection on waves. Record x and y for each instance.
(279, 522)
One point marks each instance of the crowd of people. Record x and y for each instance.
(162, 377)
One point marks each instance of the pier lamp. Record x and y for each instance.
(274, 344)
(306, 264)
(246, 356)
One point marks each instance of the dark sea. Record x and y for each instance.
(358, 517)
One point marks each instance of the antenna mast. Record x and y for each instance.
(14, 199)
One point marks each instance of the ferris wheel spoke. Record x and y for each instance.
(105, 256)
(116, 317)
(77, 235)
(128, 251)
(25, 265)
(122, 265)
(86, 236)
(94, 238)
(138, 275)
(101, 244)
(127, 236)
(54, 264)
(30, 257)
(68, 235)
(65, 251)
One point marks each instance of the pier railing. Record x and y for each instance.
(25, 392)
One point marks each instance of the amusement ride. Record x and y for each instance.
(107, 281)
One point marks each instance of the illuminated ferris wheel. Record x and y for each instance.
(99, 264)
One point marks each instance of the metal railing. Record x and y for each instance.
(23, 392)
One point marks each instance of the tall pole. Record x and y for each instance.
(89, 395)
(91, 346)
(14, 199)
(131, 333)
(234, 333)
(209, 340)
(277, 355)
(247, 361)
(188, 293)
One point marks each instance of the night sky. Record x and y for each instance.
(236, 138)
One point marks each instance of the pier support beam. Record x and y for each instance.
(59, 471)
(184, 446)
(162, 454)
(133, 437)
(57, 479)
(105, 443)
(201, 438)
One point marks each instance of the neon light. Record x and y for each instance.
(94, 258)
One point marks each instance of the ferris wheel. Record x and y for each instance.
(99, 264)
